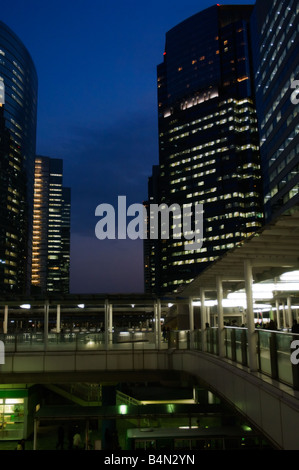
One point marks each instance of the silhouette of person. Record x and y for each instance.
(60, 440)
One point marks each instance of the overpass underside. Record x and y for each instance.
(269, 406)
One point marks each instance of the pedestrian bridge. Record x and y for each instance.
(267, 397)
(254, 369)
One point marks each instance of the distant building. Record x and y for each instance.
(51, 228)
(18, 115)
(152, 247)
(275, 29)
(208, 138)
(66, 239)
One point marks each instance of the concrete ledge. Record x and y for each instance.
(269, 406)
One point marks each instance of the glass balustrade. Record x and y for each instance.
(273, 347)
(283, 351)
(264, 345)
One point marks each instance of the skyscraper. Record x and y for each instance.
(275, 27)
(65, 239)
(51, 227)
(208, 138)
(18, 109)
(151, 246)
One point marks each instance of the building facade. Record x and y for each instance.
(208, 138)
(275, 27)
(51, 228)
(151, 246)
(65, 239)
(18, 115)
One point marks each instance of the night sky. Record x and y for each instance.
(97, 110)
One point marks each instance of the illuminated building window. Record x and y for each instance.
(51, 229)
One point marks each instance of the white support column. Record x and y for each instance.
(157, 317)
(191, 314)
(46, 323)
(252, 337)
(110, 327)
(58, 320)
(155, 323)
(203, 320)
(106, 323)
(277, 314)
(208, 315)
(290, 317)
(5, 322)
(191, 322)
(221, 333)
(159, 323)
(284, 315)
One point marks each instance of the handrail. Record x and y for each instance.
(274, 348)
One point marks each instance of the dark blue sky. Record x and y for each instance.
(97, 110)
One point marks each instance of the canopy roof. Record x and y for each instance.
(272, 251)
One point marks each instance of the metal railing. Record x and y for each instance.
(80, 341)
(274, 348)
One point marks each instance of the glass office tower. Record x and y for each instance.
(18, 109)
(275, 27)
(208, 138)
(65, 239)
(51, 227)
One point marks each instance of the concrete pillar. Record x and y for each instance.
(106, 323)
(208, 315)
(252, 337)
(110, 323)
(221, 332)
(183, 316)
(5, 322)
(109, 394)
(191, 314)
(284, 323)
(156, 323)
(203, 320)
(35, 434)
(191, 322)
(159, 323)
(277, 314)
(46, 324)
(290, 316)
(58, 320)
